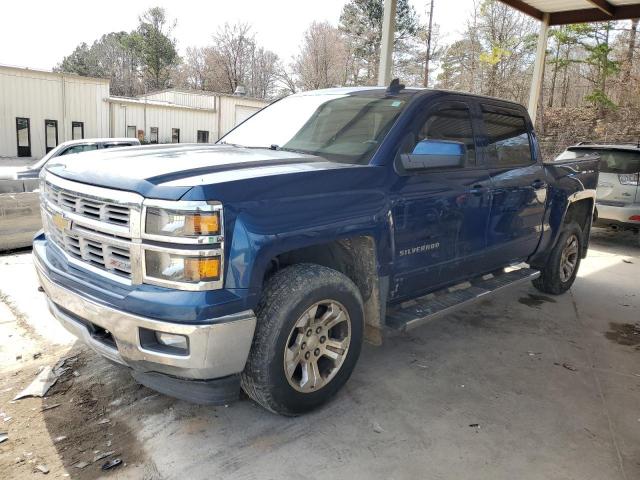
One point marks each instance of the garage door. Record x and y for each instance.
(244, 112)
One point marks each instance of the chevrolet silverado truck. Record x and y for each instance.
(325, 219)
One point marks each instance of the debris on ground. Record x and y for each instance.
(103, 421)
(59, 439)
(625, 260)
(377, 428)
(37, 355)
(111, 464)
(568, 366)
(42, 468)
(100, 456)
(40, 386)
(61, 367)
(4, 436)
(81, 465)
(475, 425)
(49, 407)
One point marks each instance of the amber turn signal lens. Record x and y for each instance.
(203, 224)
(202, 269)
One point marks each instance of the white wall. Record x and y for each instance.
(233, 110)
(165, 118)
(41, 96)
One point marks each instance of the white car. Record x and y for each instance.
(76, 146)
(618, 201)
(19, 197)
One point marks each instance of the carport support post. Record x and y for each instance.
(538, 68)
(386, 45)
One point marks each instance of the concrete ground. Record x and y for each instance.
(520, 386)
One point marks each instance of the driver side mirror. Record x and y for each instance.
(429, 154)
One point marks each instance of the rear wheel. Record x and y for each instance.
(561, 269)
(307, 341)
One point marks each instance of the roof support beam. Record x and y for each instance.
(386, 45)
(524, 8)
(538, 68)
(603, 5)
(621, 12)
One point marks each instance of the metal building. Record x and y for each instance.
(39, 110)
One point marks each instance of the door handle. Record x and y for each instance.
(478, 190)
(538, 184)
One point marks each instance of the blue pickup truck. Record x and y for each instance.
(328, 218)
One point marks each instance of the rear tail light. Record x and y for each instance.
(635, 218)
(629, 179)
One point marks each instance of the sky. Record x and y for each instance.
(39, 33)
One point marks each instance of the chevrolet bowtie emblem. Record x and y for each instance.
(62, 222)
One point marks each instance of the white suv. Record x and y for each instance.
(618, 201)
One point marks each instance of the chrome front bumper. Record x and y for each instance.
(216, 349)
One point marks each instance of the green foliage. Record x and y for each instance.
(600, 99)
(126, 57)
(155, 46)
(361, 21)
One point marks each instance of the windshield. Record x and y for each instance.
(342, 128)
(611, 161)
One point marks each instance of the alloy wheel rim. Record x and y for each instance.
(317, 346)
(569, 258)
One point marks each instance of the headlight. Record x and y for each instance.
(186, 244)
(179, 223)
(172, 267)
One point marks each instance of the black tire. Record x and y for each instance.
(551, 281)
(287, 296)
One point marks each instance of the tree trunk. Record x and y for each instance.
(565, 79)
(427, 59)
(630, 50)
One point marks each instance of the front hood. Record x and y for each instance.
(169, 171)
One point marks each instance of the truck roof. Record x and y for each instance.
(415, 90)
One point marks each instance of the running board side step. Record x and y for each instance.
(412, 314)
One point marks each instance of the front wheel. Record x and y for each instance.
(561, 268)
(308, 338)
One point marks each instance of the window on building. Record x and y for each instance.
(203, 136)
(77, 130)
(50, 135)
(452, 124)
(175, 135)
(23, 134)
(131, 131)
(508, 140)
(153, 137)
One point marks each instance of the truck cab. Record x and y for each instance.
(327, 218)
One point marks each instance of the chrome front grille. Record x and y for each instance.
(93, 226)
(87, 246)
(86, 206)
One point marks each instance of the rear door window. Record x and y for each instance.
(508, 142)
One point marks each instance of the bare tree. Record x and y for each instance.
(322, 58)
